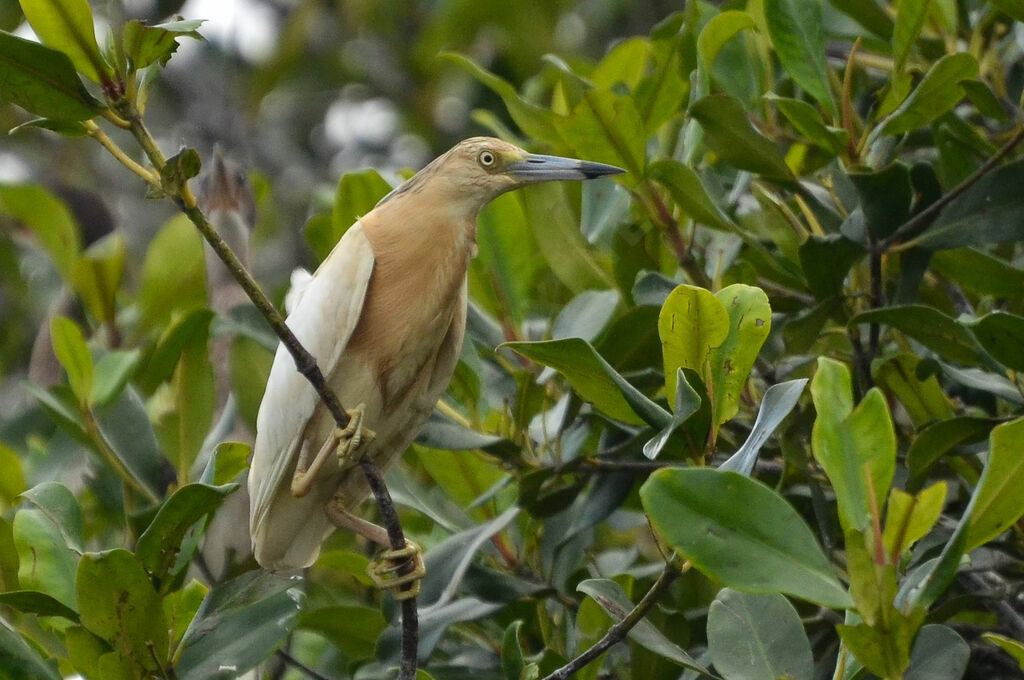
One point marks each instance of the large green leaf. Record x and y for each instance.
(757, 637)
(118, 603)
(798, 34)
(42, 81)
(997, 501)
(240, 623)
(45, 563)
(856, 446)
(692, 323)
(740, 532)
(606, 127)
(731, 136)
(67, 25)
(750, 320)
(594, 379)
(937, 93)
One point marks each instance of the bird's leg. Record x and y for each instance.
(347, 442)
(386, 570)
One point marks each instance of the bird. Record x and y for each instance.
(384, 316)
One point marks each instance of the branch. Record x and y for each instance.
(921, 221)
(618, 632)
(305, 363)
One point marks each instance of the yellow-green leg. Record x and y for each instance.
(347, 443)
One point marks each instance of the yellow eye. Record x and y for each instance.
(487, 159)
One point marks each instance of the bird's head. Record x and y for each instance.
(479, 169)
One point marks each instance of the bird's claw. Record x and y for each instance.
(348, 443)
(385, 571)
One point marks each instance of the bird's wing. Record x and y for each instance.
(324, 317)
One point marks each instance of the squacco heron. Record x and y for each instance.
(384, 316)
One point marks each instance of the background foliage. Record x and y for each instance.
(767, 381)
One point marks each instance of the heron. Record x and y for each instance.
(384, 317)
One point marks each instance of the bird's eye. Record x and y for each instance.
(486, 159)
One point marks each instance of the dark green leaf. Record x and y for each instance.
(806, 119)
(240, 623)
(930, 327)
(719, 30)
(939, 438)
(740, 532)
(353, 629)
(125, 425)
(61, 507)
(689, 193)
(979, 272)
(357, 193)
(111, 375)
(180, 168)
(984, 99)
(40, 604)
(68, 128)
(606, 127)
(885, 197)
(19, 661)
(46, 563)
(907, 27)
(42, 81)
(734, 139)
(145, 45)
(939, 653)
(1002, 336)
(159, 547)
(757, 637)
(826, 260)
(173, 278)
(512, 661)
(798, 35)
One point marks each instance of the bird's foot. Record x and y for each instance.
(386, 571)
(348, 443)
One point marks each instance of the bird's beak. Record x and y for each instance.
(538, 168)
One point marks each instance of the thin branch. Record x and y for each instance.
(618, 632)
(921, 221)
(305, 363)
(295, 663)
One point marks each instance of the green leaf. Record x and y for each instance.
(503, 275)
(556, 229)
(808, 122)
(160, 546)
(692, 323)
(924, 400)
(118, 603)
(73, 354)
(937, 439)
(1001, 334)
(939, 653)
(798, 35)
(594, 379)
(979, 272)
(885, 197)
(357, 194)
(856, 446)
(1012, 8)
(776, 404)
(868, 14)
(97, 275)
(607, 127)
(67, 26)
(750, 320)
(984, 99)
(8, 557)
(742, 533)
(85, 650)
(910, 16)
(731, 136)
(718, 31)
(45, 562)
(145, 45)
(757, 637)
(181, 607)
(616, 603)
(126, 427)
(240, 623)
(689, 193)
(535, 121)
(43, 81)
(623, 65)
(884, 651)
(353, 629)
(229, 459)
(19, 661)
(1011, 647)
(111, 375)
(826, 260)
(48, 218)
(160, 364)
(686, 403)
(61, 507)
(73, 128)
(512, 661)
(908, 518)
(937, 93)
(173, 273)
(35, 602)
(180, 168)
(930, 327)
(12, 480)
(997, 502)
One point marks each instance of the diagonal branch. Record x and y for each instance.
(304, 361)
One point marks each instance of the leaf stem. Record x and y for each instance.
(620, 630)
(117, 152)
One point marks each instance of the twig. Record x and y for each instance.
(305, 363)
(618, 631)
(922, 220)
(295, 663)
